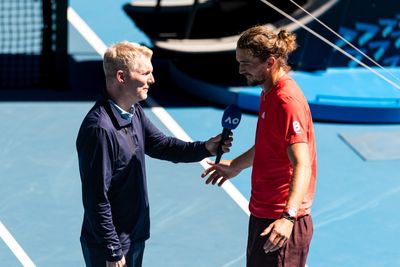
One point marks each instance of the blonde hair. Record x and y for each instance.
(262, 42)
(122, 56)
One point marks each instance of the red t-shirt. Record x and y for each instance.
(284, 119)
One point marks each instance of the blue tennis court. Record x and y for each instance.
(358, 185)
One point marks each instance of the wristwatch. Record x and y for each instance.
(290, 214)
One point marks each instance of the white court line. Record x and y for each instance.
(86, 32)
(176, 130)
(95, 41)
(15, 247)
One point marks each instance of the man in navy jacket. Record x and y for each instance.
(112, 142)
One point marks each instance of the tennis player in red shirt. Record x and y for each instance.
(283, 157)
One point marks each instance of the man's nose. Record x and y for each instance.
(151, 79)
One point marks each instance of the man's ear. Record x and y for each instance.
(271, 62)
(120, 76)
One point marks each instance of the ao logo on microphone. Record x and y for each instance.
(230, 120)
(231, 117)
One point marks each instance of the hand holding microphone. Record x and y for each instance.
(230, 120)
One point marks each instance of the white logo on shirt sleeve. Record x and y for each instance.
(297, 127)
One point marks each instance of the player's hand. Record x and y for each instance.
(221, 171)
(213, 142)
(120, 263)
(279, 232)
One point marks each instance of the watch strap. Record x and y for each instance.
(288, 217)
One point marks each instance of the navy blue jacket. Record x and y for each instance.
(111, 154)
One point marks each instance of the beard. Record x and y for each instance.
(255, 82)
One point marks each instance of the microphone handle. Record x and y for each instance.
(225, 135)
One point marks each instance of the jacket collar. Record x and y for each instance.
(115, 115)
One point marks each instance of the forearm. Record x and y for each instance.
(299, 183)
(160, 146)
(244, 161)
(175, 150)
(300, 179)
(96, 179)
(99, 222)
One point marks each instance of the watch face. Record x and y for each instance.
(292, 212)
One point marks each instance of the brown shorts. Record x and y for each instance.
(292, 254)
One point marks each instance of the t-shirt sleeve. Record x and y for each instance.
(294, 121)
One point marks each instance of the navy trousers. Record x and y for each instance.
(94, 257)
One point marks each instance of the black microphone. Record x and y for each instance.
(230, 120)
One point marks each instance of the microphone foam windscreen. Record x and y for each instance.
(231, 117)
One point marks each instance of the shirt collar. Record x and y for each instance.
(127, 116)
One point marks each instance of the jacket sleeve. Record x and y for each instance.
(158, 145)
(95, 164)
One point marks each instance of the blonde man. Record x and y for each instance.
(112, 142)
